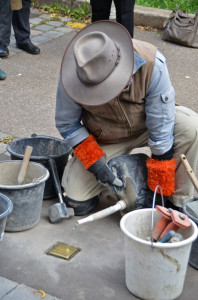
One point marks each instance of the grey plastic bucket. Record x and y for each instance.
(6, 207)
(42, 146)
(27, 198)
(154, 270)
(193, 260)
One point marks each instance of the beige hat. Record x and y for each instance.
(98, 63)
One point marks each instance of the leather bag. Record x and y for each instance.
(181, 28)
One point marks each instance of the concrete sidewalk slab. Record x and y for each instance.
(10, 290)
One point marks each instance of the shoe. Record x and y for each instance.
(4, 52)
(2, 75)
(29, 48)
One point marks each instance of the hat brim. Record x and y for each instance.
(111, 87)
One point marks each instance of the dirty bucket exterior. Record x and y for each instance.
(193, 260)
(6, 207)
(27, 198)
(158, 272)
(42, 146)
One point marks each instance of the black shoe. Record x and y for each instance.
(4, 52)
(29, 48)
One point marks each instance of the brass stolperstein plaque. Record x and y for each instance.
(63, 250)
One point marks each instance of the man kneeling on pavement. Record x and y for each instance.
(114, 94)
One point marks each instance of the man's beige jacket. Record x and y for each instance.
(16, 4)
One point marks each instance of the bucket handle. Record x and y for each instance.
(153, 206)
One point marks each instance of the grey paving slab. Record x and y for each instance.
(2, 148)
(65, 29)
(35, 21)
(6, 286)
(12, 290)
(36, 32)
(53, 34)
(55, 23)
(65, 19)
(45, 16)
(41, 39)
(44, 27)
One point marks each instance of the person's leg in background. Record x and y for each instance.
(125, 14)
(21, 26)
(100, 9)
(5, 27)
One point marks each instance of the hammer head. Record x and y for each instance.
(59, 212)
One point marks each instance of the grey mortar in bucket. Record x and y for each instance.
(26, 198)
(6, 207)
(43, 146)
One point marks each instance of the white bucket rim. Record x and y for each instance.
(26, 185)
(154, 244)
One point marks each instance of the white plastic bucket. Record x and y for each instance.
(157, 272)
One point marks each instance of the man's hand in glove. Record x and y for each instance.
(93, 159)
(161, 171)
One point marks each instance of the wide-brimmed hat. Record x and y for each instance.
(98, 63)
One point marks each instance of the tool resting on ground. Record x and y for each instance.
(58, 211)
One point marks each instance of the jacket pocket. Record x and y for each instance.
(168, 104)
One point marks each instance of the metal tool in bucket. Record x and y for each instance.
(171, 221)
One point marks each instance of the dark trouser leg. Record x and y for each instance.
(125, 14)
(20, 22)
(100, 9)
(5, 22)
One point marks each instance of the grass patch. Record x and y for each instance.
(80, 14)
(190, 6)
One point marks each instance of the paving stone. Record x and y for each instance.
(55, 23)
(24, 292)
(14, 48)
(36, 32)
(65, 19)
(44, 27)
(6, 286)
(35, 21)
(41, 39)
(53, 34)
(64, 29)
(45, 17)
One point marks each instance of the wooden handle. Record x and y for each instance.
(24, 165)
(189, 170)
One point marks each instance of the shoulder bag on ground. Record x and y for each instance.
(181, 28)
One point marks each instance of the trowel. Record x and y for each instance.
(131, 169)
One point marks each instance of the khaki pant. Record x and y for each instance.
(80, 184)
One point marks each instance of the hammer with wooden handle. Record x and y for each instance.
(24, 165)
(189, 170)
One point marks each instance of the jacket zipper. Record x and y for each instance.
(124, 117)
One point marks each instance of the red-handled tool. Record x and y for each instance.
(163, 222)
(179, 220)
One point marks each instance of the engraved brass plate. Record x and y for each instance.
(63, 250)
